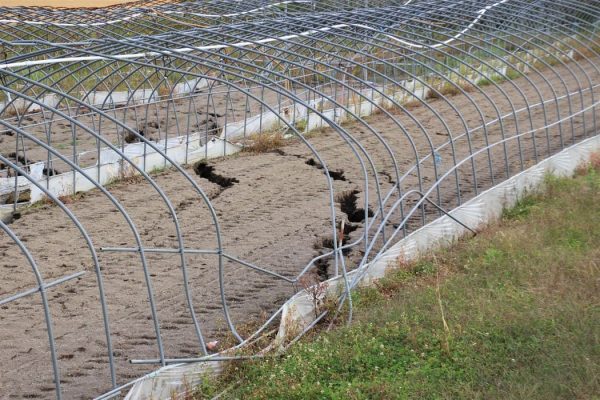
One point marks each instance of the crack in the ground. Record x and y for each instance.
(336, 174)
(203, 170)
(391, 180)
(347, 201)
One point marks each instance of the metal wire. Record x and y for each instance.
(406, 108)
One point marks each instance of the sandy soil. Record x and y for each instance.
(276, 216)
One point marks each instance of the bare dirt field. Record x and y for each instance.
(276, 216)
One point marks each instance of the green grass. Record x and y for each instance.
(513, 313)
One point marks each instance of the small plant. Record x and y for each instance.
(521, 209)
(445, 343)
(61, 146)
(412, 104)
(492, 256)
(164, 90)
(595, 161)
(433, 94)
(14, 111)
(424, 267)
(497, 78)
(316, 290)
(316, 132)
(68, 199)
(447, 89)
(300, 125)
(512, 74)
(157, 170)
(593, 180)
(131, 179)
(593, 164)
(484, 82)
(467, 86)
(265, 142)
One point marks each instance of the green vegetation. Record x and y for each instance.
(484, 82)
(513, 74)
(510, 314)
(300, 125)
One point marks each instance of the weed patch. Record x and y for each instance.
(265, 142)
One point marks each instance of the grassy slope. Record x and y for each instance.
(521, 304)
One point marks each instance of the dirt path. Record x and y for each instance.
(275, 216)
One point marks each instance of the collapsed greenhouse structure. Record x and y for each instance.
(171, 173)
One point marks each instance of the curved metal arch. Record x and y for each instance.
(137, 237)
(467, 34)
(272, 76)
(343, 107)
(583, 44)
(343, 133)
(137, 15)
(334, 125)
(434, 89)
(426, 84)
(94, 256)
(313, 109)
(373, 89)
(423, 198)
(546, 65)
(542, 75)
(489, 66)
(42, 290)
